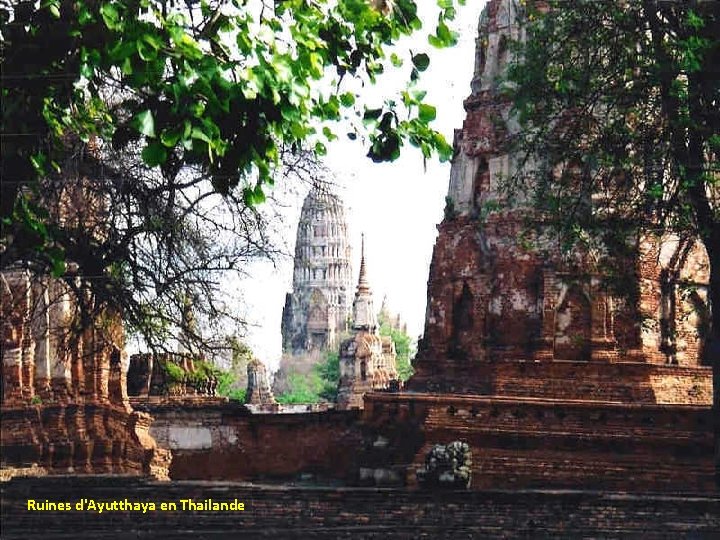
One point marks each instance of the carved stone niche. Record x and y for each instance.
(578, 320)
(573, 325)
(462, 324)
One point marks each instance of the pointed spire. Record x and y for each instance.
(384, 313)
(362, 278)
(364, 317)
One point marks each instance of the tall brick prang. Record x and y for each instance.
(503, 288)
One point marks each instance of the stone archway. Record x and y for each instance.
(318, 321)
(462, 322)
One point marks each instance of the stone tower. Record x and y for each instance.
(531, 355)
(258, 387)
(317, 310)
(367, 360)
(502, 291)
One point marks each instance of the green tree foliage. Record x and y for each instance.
(150, 108)
(227, 387)
(221, 85)
(404, 347)
(329, 373)
(619, 112)
(303, 389)
(199, 377)
(232, 382)
(317, 386)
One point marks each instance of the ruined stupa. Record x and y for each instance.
(258, 387)
(531, 354)
(502, 287)
(367, 359)
(317, 310)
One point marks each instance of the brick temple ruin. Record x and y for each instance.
(367, 359)
(318, 309)
(316, 312)
(530, 355)
(64, 397)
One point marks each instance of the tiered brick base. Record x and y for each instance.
(525, 442)
(79, 438)
(623, 382)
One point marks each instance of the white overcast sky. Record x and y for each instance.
(397, 205)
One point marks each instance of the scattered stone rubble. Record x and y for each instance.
(447, 466)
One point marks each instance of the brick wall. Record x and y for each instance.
(591, 381)
(516, 442)
(224, 441)
(542, 443)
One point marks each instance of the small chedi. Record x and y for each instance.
(367, 360)
(258, 387)
(316, 313)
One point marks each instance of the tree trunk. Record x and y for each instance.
(712, 349)
(696, 165)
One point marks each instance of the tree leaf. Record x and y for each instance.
(111, 16)
(426, 113)
(154, 154)
(170, 137)
(372, 114)
(347, 99)
(145, 123)
(259, 194)
(421, 61)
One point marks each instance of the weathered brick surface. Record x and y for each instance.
(282, 512)
(81, 439)
(64, 402)
(591, 381)
(224, 441)
(526, 442)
